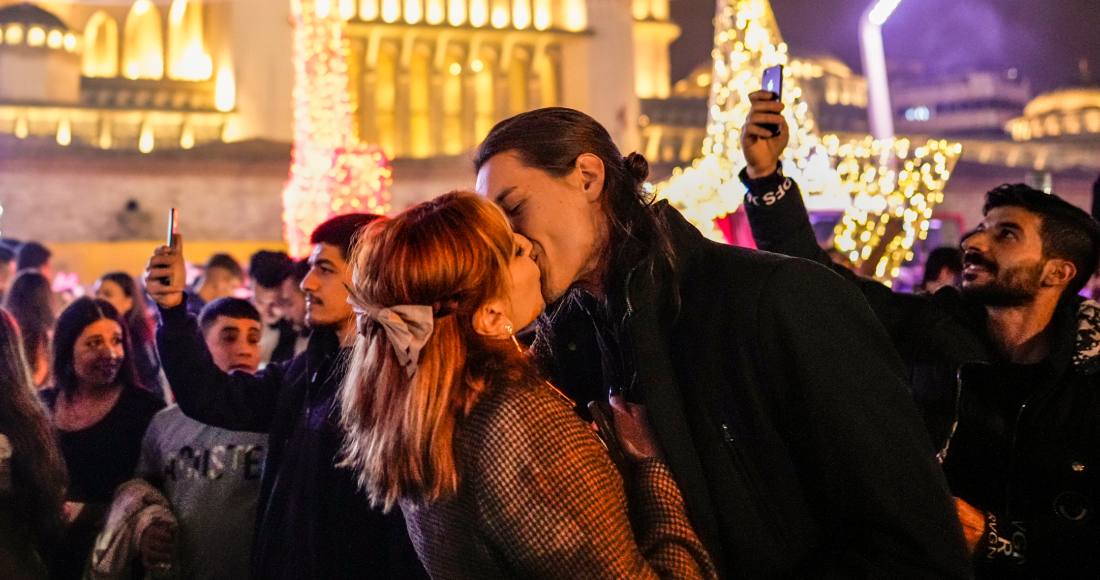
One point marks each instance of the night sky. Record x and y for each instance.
(1044, 39)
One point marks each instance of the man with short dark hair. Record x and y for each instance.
(34, 256)
(267, 271)
(210, 475)
(294, 332)
(1011, 360)
(221, 276)
(313, 521)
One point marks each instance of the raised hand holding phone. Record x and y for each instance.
(761, 145)
(165, 273)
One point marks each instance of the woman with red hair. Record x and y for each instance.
(496, 475)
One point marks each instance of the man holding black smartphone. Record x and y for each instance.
(1005, 369)
(313, 524)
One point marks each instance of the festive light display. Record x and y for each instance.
(891, 209)
(332, 172)
(888, 207)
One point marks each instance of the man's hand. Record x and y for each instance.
(635, 432)
(761, 149)
(973, 523)
(158, 546)
(166, 265)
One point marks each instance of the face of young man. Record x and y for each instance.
(561, 217)
(326, 287)
(234, 343)
(267, 301)
(1003, 262)
(292, 303)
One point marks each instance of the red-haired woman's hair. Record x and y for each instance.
(452, 253)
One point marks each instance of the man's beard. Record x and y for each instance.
(1015, 287)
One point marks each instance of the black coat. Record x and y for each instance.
(782, 407)
(313, 523)
(1028, 463)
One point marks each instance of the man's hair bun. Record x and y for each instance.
(636, 167)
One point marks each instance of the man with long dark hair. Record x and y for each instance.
(783, 412)
(313, 522)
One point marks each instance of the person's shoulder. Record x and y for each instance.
(516, 410)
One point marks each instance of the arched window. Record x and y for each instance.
(187, 58)
(143, 47)
(384, 95)
(101, 46)
(420, 138)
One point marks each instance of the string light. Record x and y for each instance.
(332, 173)
(886, 209)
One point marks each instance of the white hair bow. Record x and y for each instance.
(407, 327)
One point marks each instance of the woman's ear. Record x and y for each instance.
(491, 321)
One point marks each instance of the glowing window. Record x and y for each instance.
(543, 11)
(521, 13)
(456, 12)
(391, 9)
(413, 11)
(100, 46)
(479, 12)
(500, 15)
(187, 59)
(36, 36)
(368, 9)
(143, 47)
(576, 15)
(434, 13)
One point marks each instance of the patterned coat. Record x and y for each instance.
(539, 498)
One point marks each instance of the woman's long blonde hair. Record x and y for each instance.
(452, 253)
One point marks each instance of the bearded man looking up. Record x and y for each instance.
(1011, 359)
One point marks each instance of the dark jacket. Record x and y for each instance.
(1030, 458)
(782, 410)
(313, 522)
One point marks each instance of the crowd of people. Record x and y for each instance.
(555, 376)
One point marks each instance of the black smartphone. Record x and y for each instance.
(601, 415)
(173, 229)
(773, 83)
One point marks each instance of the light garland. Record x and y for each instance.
(886, 210)
(332, 172)
(890, 209)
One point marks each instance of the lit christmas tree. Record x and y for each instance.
(887, 209)
(332, 173)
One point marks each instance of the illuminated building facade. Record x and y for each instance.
(975, 105)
